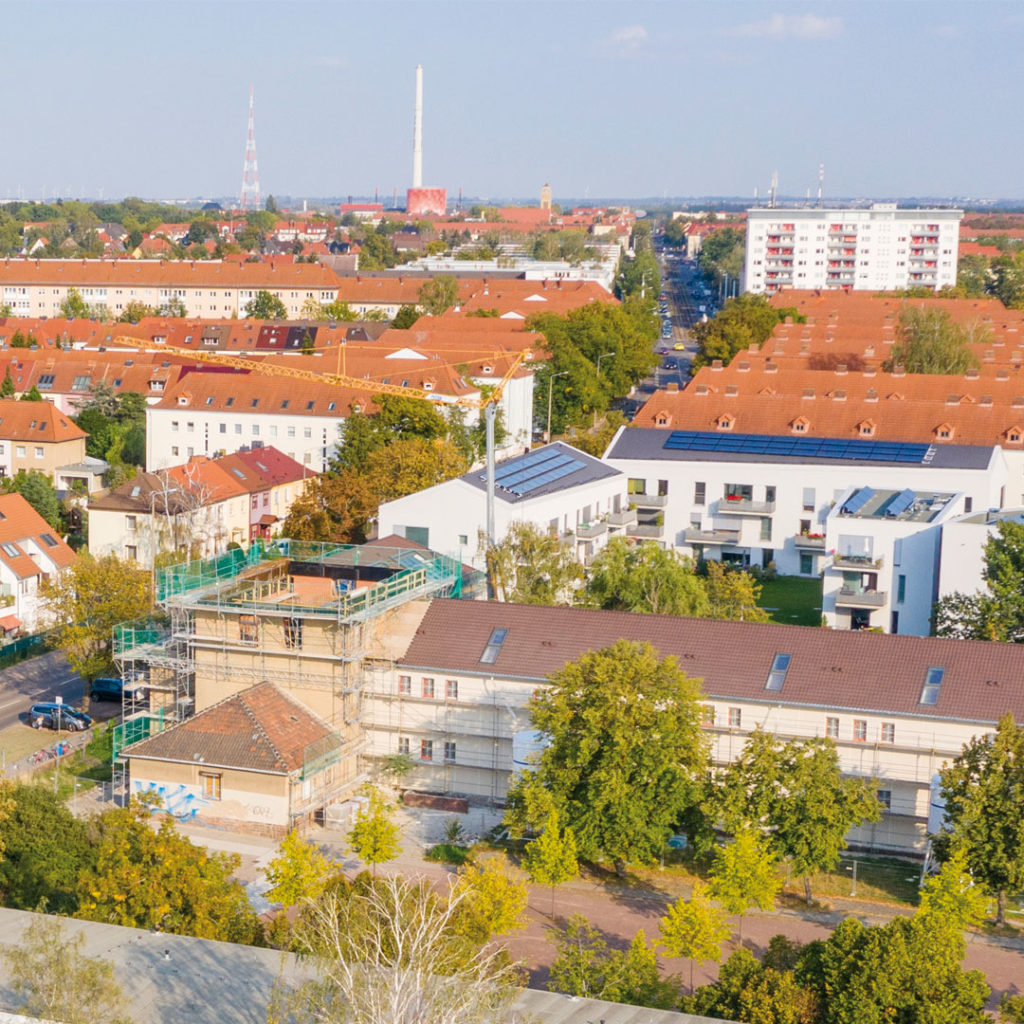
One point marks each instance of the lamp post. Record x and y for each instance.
(604, 355)
(551, 383)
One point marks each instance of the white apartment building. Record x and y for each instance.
(962, 552)
(207, 288)
(751, 499)
(880, 248)
(557, 488)
(456, 702)
(882, 558)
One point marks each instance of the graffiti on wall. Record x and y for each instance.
(178, 802)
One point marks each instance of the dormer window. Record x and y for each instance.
(662, 419)
(1014, 435)
(800, 425)
(725, 422)
(944, 431)
(866, 428)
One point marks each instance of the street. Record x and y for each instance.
(39, 679)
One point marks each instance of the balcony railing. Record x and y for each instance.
(645, 530)
(804, 540)
(745, 507)
(726, 537)
(586, 531)
(852, 597)
(857, 562)
(649, 500)
(623, 518)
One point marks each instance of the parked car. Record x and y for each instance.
(58, 716)
(113, 688)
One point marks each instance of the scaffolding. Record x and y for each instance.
(231, 621)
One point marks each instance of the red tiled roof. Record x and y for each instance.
(19, 523)
(40, 422)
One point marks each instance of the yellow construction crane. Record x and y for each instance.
(488, 402)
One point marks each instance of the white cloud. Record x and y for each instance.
(627, 41)
(792, 26)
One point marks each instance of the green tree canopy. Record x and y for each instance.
(983, 789)
(551, 858)
(298, 872)
(265, 306)
(694, 928)
(494, 900)
(928, 340)
(37, 489)
(624, 756)
(374, 837)
(741, 322)
(405, 318)
(438, 294)
(532, 566)
(743, 875)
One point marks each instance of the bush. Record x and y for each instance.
(448, 853)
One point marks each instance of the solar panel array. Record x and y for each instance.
(857, 501)
(523, 475)
(796, 447)
(900, 503)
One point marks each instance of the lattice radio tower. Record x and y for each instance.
(250, 198)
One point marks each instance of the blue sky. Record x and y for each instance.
(627, 98)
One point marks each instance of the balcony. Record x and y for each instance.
(646, 530)
(648, 500)
(853, 597)
(624, 518)
(862, 562)
(809, 542)
(744, 507)
(724, 537)
(587, 531)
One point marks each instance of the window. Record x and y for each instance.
(451, 689)
(49, 540)
(9, 549)
(39, 452)
(493, 648)
(80, 383)
(428, 688)
(293, 632)
(174, 449)
(636, 486)
(238, 428)
(426, 750)
(735, 718)
(707, 714)
(210, 785)
(248, 629)
(901, 587)
(405, 684)
(860, 730)
(131, 552)
(806, 564)
(449, 751)
(291, 431)
(888, 732)
(223, 428)
(769, 495)
(832, 728)
(699, 492)
(777, 676)
(766, 528)
(739, 492)
(307, 431)
(403, 746)
(255, 430)
(21, 451)
(463, 539)
(932, 684)
(885, 798)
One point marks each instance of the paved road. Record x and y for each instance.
(41, 678)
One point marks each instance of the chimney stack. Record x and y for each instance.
(417, 132)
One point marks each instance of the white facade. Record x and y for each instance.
(881, 570)
(174, 435)
(881, 248)
(962, 553)
(452, 517)
(756, 509)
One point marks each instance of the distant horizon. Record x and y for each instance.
(646, 100)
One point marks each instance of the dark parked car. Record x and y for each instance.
(58, 716)
(112, 688)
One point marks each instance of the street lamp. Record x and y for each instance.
(551, 382)
(604, 355)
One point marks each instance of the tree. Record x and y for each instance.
(45, 850)
(39, 492)
(157, 879)
(741, 322)
(404, 467)
(743, 875)
(493, 900)
(270, 205)
(86, 601)
(404, 419)
(733, 594)
(586, 967)
(265, 306)
(796, 792)
(32, 395)
(952, 898)
(359, 438)
(73, 306)
(388, 950)
(299, 872)
(644, 577)
(174, 307)
(374, 836)
(333, 507)
(929, 341)
(58, 981)
(7, 387)
(624, 756)
(551, 858)
(694, 928)
(135, 311)
(405, 318)
(983, 790)
(438, 294)
(531, 566)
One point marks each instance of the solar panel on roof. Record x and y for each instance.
(797, 447)
(527, 473)
(546, 478)
(900, 503)
(530, 459)
(857, 501)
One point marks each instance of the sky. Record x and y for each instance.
(600, 99)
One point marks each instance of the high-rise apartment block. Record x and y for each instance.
(880, 249)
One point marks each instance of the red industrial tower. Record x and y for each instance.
(250, 196)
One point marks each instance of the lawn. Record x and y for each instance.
(793, 600)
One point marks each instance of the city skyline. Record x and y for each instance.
(599, 99)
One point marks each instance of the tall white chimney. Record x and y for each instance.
(417, 132)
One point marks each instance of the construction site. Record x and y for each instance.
(310, 618)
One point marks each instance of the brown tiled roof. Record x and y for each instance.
(829, 669)
(261, 729)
